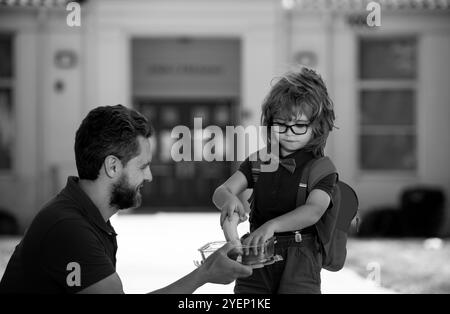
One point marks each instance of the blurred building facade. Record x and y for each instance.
(174, 60)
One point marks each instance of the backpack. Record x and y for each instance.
(333, 227)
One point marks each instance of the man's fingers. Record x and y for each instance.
(234, 253)
(242, 270)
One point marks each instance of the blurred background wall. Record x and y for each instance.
(175, 60)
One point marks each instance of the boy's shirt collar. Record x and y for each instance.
(297, 155)
(296, 158)
(290, 162)
(293, 160)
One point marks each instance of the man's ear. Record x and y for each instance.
(113, 166)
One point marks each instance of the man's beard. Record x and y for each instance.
(124, 196)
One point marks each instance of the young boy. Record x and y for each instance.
(300, 111)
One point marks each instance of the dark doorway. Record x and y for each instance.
(187, 184)
(174, 81)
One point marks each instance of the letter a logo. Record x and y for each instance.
(74, 17)
(73, 279)
(374, 17)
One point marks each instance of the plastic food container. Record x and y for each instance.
(255, 256)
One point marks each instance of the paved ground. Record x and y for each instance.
(155, 250)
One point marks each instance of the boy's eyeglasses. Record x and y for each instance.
(297, 129)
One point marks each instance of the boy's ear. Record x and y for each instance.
(113, 166)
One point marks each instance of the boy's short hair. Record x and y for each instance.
(109, 130)
(302, 92)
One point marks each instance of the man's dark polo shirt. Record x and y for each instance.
(69, 229)
(276, 192)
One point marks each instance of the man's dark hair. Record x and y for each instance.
(109, 130)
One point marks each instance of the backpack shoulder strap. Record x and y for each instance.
(257, 159)
(314, 171)
(255, 164)
(321, 168)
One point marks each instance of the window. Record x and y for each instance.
(6, 103)
(387, 104)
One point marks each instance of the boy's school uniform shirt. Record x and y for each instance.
(276, 192)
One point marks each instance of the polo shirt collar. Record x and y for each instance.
(86, 206)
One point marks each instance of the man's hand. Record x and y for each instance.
(220, 268)
(231, 206)
(258, 237)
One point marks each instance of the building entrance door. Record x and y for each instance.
(175, 80)
(187, 184)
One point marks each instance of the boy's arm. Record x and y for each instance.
(305, 215)
(232, 210)
(299, 218)
(316, 204)
(225, 196)
(234, 186)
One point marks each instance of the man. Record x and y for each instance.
(70, 247)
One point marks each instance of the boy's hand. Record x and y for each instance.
(258, 237)
(231, 206)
